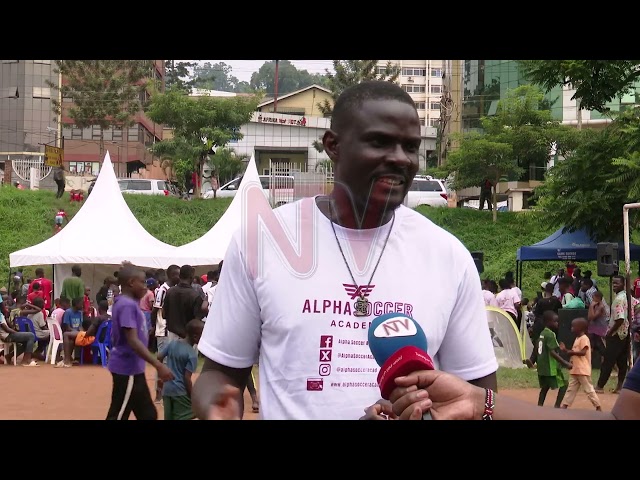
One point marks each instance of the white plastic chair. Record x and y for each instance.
(8, 347)
(55, 340)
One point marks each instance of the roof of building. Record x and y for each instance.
(281, 97)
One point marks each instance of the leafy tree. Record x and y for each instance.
(199, 125)
(352, 72)
(348, 73)
(597, 82)
(226, 165)
(627, 165)
(477, 159)
(105, 93)
(217, 76)
(517, 139)
(177, 75)
(290, 78)
(579, 192)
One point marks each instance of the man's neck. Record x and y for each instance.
(341, 209)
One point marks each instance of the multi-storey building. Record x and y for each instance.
(422, 79)
(27, 123)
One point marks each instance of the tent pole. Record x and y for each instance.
(53, 284)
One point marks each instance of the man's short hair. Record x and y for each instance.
(352, 98)
(186, 272)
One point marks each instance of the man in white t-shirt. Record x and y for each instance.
(172, 275)
(209, 288)
(307, 320)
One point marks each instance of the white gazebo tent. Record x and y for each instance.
(213, 244)
(102, 235)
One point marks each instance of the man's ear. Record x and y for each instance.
(330, 142)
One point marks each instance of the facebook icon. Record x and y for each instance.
(326, 341)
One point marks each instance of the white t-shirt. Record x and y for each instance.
(161, 323)
(210, 294)
(314, 357)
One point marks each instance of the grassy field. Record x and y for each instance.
(28, 220)
(515, 378)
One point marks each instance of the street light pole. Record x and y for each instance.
(119, 159)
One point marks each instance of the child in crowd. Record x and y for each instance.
(72, 318)
(580, 371)
(62, 304)
(130, 337)
(182, 360)
(83, 337)
(548, 361)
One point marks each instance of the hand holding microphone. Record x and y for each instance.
(399, 346)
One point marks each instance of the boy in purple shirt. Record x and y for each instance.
(129, 337)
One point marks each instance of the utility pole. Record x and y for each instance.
(275, 89)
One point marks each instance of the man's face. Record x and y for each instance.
(174, 277)
(376, 154)
(138, 285)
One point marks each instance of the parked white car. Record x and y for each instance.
(426, 190)
(146, 186)
(281, 190)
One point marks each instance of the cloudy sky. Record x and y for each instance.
(242, 69)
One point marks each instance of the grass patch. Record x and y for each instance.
(516, 378)
(28, 220)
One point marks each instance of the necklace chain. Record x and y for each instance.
(384, 245)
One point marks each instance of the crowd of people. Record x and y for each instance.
(606, 330)
(311, 337)
(173, 306)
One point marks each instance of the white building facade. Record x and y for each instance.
(422, 79)
(288, 139)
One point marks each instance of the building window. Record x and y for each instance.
(422, 121)
(435, 105)
(133, 134)
(43, 62)
(421, 105)
(117, 133)
(433, 122)
(84, 168)
(414, 88)
(41, 92)
(381, 70)
(414, 72)
(436, 72)
(436, 88)
(76, 133)
(95, 132)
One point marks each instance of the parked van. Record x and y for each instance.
(279, 188)
(426, 190)
(146, 186)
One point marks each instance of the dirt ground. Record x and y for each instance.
(77, 393)
(84, 393)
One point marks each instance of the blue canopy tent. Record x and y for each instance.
(577, 246)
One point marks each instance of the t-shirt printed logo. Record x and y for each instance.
(356, 291)
(361, 292)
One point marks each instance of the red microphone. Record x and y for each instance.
(399, 346)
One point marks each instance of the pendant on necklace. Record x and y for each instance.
(361, 307)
